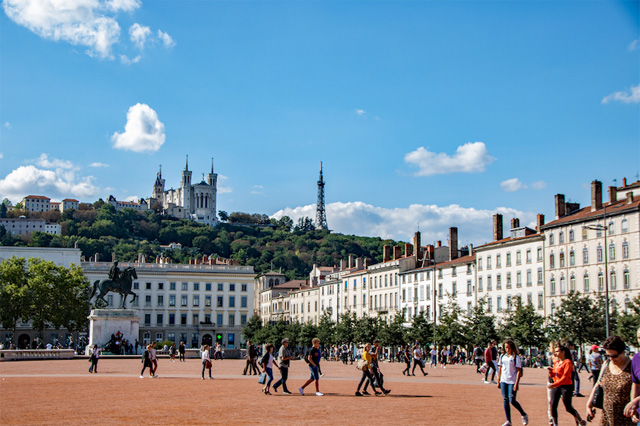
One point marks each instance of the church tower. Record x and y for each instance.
(185, 187)
(158, 187)
(212, 177)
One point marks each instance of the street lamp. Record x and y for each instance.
(606, 266)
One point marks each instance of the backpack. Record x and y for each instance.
(307, 352)
(145, 355)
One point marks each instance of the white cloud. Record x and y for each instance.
(78, 22)
(128, 61)
(143, 131)
(630, 97)
(98, 164)
(538, 185)
(132, 198)
(258, 186)
(59, 183)
(166, 39)
(54, 163)
(361, 112)
(469, 158)
(635, 44)
(1, 156)
(512, 185)
(7, 125)
(222, 187)
(359, 218)
(139, 35)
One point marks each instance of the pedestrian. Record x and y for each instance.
(418, 357)
(552, 360)
(154, 358)
(509, 375)
(374, 366)
(562, 387)
(206, 361)
(251, 360)
(366, 372)
(313, 359)
(595, 362)
(434, 358)
(488, 359)
(478, 356)
(136, 345)
(95, 354)
(406, 357)
(181, 351)
(267, 363)
(576, 364)
(172, 352)
(632, 410)
(284, 357)
(146, 362)
(616, 382)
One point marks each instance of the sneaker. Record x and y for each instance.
(358, 393)
(210, 378)
(365, 393)
(484, 381)
(378, 393)
(142, 377)
(507, 423)
(425, 374)
(578, 394)
(494, 382)
(286, 393)
(322, 375)
(525, 420)
(386, 391)
(155, 376)
(301, 391)
(319, 394)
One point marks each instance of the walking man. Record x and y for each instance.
(284, 356)
(181, 350)
(488, 359)
(418, 355)
(375, 353)
(251, 360)
(313, 359)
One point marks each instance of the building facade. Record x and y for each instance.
(24, 226)
(36, 203)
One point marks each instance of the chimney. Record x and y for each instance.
(366, 262)
(629, 197)
(350, 261)
(539, 222)
(613, 194)
(497, 227)
(470, 249)
(515, 223)
(408, 250)
(596, 195)
(416, 245)
(439, 244)
(561, 208)
(397, 252)
(386, 253)
(343, 264)
(624, 182)
(431, 252)
(359, 263)
(453, 243)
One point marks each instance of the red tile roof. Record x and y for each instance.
(463, 259)
(40, 197)
(508, 239)
(71, 200)
(586, 214)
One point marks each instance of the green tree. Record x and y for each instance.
(524, 326)
(308, 332)
(366, 329)
(579, 318)
(345, 328)
(326, 329)
(450, 330)
(480, 326)
(13, 292)
(252, 328)
(223, 215)
(629, 322)
(394, 334)
(421, 329)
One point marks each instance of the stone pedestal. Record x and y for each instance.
(105, 322)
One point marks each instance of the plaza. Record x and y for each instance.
(54, 392)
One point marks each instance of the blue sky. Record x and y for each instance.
(429, 113)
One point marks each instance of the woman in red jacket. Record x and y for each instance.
(562, 375)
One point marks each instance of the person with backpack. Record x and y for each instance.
(375, 352)
(406, 357)
(313, 359)
(172, 352)
(365, 365)
(477, 356)
(146, 362)
(509, 375)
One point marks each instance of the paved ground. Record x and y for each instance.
(63, 392)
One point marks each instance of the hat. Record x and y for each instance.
(594, 348)
(285, 340)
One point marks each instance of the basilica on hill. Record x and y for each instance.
(191, 201)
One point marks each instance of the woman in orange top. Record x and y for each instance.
(561, 373)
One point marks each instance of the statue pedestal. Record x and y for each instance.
(105, 322)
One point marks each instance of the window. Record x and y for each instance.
(195, 319)
(509, 302)
(518, 279)
(508, 258)
(585, 282)
(508, 279)
(499, 304)
(529, 280)
(196, 300)
(563, 285)
(219, 320)
(243, 320)
(572, 284)
(518, 257)
(572, 258)
(539, 254)
(551, 242)
(488, 262)
(220, 287)
(498, 261)
(160, 286)
(626, 279)
(540, 300)
(220, 302)
(147, 300)
(172, 300)
(553, 308)
(624, 226)
(232, 287)
(599, 254)
(468, 308)
(625, 250)
(562, 259)
(183, 319)
(612, 251)
(529, 256)
(184, 300)
(440, 291)
(207, 301)
(600, 281)
(148, 286)
(498, 282)
(243, 302)
(147, 319)
(552, 261)
(585, 233)
(453, 272)
(469, 288)
(529, 298)
(454, 288)
(172, 319)
(159, 319)
(172, 286)
(571, 235)
(243, 287)
(136, 286)
(540, 275)
(561, 237)
(207, 287)
(612, 228)
(479, 264)
(160, 300)
(612, 280)
(185, 286)
(488, 282)
(232, 301)
(489, 304)
(480, 288)
(585, 256)
(552, 286)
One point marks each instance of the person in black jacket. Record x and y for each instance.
(251, 360)
(181, 350)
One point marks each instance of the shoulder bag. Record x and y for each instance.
(598, 394)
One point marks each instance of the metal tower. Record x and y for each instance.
(321, 216)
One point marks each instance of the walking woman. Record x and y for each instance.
(267, 364)
(146, 362)
(206, 361)
(562, 387)
(95, 354)
(406, 357)
(366, 372)
(154, 359)
(615, 380)
(552, 347)
(509, 374)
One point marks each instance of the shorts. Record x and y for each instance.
(314, 372)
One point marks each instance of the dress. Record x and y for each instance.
(616, 395)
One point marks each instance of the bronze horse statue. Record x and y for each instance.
(122, 286)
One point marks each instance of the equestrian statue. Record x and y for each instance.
(118, 282)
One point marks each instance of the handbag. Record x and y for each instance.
(207, 364)
(598, 394)
(361, 364)
(484, 368)
(263, 378)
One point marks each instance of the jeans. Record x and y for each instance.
(366, 376)
(284, 372)
(94, 365)
(509, 399)
(576, 381)
(269, 372)
(417, 363)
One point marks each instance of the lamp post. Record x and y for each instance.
(606, 267)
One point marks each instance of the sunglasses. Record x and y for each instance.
(612, 356)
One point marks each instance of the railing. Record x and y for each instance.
(29, 354)
(176, 266)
